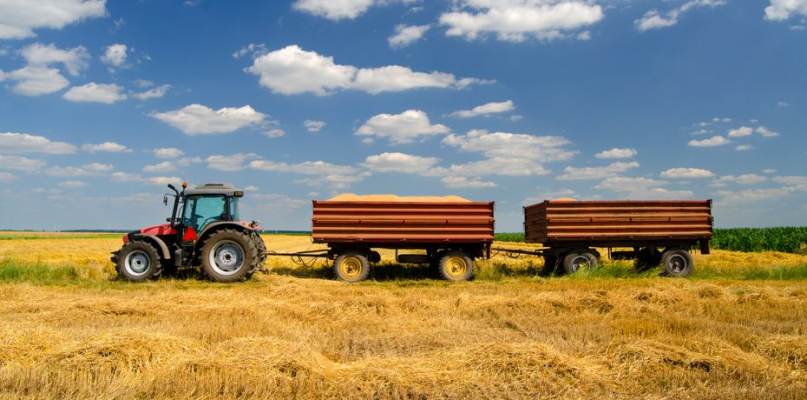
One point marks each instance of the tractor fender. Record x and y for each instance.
(215, 226)
(154, 240)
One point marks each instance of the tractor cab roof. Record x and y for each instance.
(212, 189)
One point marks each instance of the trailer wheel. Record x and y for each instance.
(351, 266)
(579, 259)
(456, 266)
(677, 262)
(138, 261)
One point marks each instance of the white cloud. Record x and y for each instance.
(573, 173)
(462, 182)
(7, 177)
(616, 153)
(583, 36)
(641, 188)
(486, 109)
(252, 188)
(400, 162)
(745, 179)
(95, 93)
(19, 18)
(339, 9)
(91, 169)
(186, 161)
(292, 70)
(313, 126)
(126, 177)
(152, 93)
(401, 128)
(168, 153)
(504, 166)
(106, 147)
(306, 168)
(143, 83)
(780, 10)
(74, 60)
(254, 50)
(115, 55)
(72, 184)
(516, 20)
(743, 147)
(275, 133)
(405, 35)
(711, 142)
(335, 176)
(784, 103)
(35, 80)
(765, 132)
(752, 195)
(791, 180)
(16, 143)
(741, 131)
(512, 145)
(768, 171)
(197, 119)
(654, 19)
(21, 163)
(687, 173)
(163, 180)
(232, 162)
(165, 166)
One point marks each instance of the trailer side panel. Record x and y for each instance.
(398, 223)
(618, 223)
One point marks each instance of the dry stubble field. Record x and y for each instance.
(68, 329)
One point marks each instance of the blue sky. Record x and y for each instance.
(513, 101)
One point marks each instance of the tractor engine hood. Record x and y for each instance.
(156, 230)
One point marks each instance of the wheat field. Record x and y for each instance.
(69, 330)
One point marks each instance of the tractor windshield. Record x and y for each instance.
(203, 210)
(234, 209)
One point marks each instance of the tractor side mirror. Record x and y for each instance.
(165, 199)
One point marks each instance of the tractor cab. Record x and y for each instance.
(196, 209)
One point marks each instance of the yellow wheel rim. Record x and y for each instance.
(350, 267)
(456, 267)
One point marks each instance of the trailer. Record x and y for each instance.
(654, 232)
(449, 234)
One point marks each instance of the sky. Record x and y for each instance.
(514, 101)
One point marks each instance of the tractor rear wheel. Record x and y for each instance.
(229, 256)
(138, 261)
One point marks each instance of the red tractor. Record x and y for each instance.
(203, 230)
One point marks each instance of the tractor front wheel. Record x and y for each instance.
(229, 256)
(138, 261)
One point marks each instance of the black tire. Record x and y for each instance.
(677, 262)
(647, 258)
(139, 261)
(456, 266)
(351, 266)
(578, 259)
(260, 246)
(550, 264)
(229, 255)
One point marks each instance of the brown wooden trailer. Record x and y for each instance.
(571, 230)
(452, 234)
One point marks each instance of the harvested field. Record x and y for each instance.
(734, 330)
